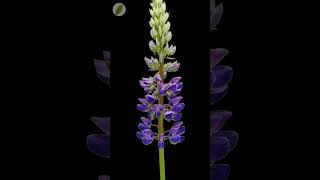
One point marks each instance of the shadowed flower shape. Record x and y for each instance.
(104, 177)
(146, 135)
(220, 76)
(215, 14)
(99, 144)
(221, 143)
(176, 132)
(220, 172)
(103, 123)
(102, 67)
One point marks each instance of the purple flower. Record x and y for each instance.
(157, 78)
(175, 134)
(147, 136)
(177, 117)
(168, 115)
(143, 107)
(158, 108)
(151, 99)
(175, 80)
(148, 84)
(174, 101)
(163, 89)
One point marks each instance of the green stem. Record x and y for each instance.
(162, 164)
(161, 128)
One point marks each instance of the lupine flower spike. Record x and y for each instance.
(162, 103)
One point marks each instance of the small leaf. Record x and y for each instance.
(119, 9)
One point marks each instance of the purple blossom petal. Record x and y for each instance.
(157, 77)
(216, 55)
(147, 140)
(232, 136)
(177, 117)
(146, 121)
(177, 108)
(175, 139)
(103, 123)
(172, 87)
(181, 130)
(140, 135)
(218, 119)
(168, 115)
(104, 177)
(223, 75)
(99, 144)
(148, 132)
(181, 139)
(175, 101)
(143, 108)
(179, 86)
(219, 148)
(143, 101)
(177, 124)
(220, 172)
(150, 98)
(175, 80)
(147, 80)
(143, 126)
(142, 84)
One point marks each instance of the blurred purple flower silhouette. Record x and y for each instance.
(99, 144)
(220, 76)
(102, 67)
(104, 177)
(215, 14)
(221, 142)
